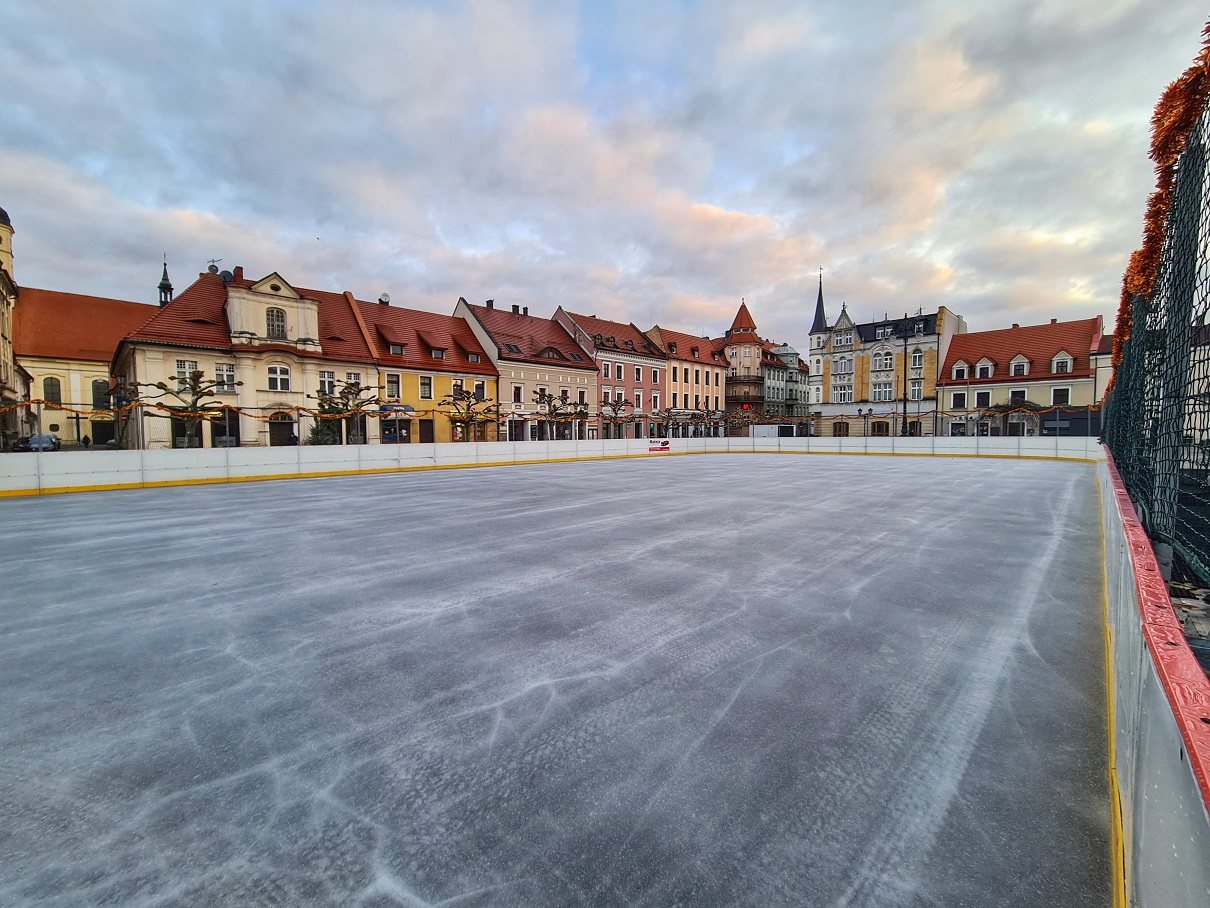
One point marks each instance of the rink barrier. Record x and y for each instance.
(58, 472)
(1159, 710)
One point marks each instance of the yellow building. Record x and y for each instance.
(12, 382)
(66, 341)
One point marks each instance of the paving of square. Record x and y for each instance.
(704, 680)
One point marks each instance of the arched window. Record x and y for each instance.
(840, 429)
(917, 359)
(275, 324)
(279, 377)
(100, 394)
(52, 391)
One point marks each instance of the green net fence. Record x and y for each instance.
(1157, 416)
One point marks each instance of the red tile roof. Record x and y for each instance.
(640, 343)
(533, 336)
(198, 318)
(684, 345)
(1037, 343)
(54, 325)
(421, 332)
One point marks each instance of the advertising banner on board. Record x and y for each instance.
(658, 446)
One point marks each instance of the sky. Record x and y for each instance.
(643, 161)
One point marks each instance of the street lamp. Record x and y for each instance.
(903, 426)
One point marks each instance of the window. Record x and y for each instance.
(747, 352)
(880, 362)
(513, 348)
(883, 390)
(100, 394)
(985, 371)
(480, 390)
(697, 376)
(916, 389)
(474, 357)
(844, 339)
(224, 377)
(518, 394)
(395, 349)
(1062, 365)
(674, 406)
(564, 395)
(638, 373)
(1020, 369)
(582, 397)
(327, 382)
(353, 378)
(917, 359)
(437, 353)
(840, 429)
(1060, 397)
(842, 394)
(655, 400)
(674, 374)
(619, 395)
(455, 386)
(1016, 397)
(655, 376)
(184, 368)
(983, 399)
(279, 378)
(818, 395)
(638, 399)
(541, 393)
(958, 400)
(606, 370)
(393, 385)
(844, 366)
(697, 400)
(575, 356)
(426, 387)
(960, 373)
(716, 402)
(275, 324)
(880, 428)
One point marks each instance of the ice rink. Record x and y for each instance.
(702, 681)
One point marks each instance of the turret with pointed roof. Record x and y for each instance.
(744, 323)
(165, 287)
(821, 320)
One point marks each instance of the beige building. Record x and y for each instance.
(697, 382)
(878, 378)
(535, 356)
(13, 384)
(1031, 380)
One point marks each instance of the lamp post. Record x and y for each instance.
(903, 427)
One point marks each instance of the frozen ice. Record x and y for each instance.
(702, 680)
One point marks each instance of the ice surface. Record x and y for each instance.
(713, 680)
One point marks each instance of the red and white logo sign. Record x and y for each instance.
(659, 446)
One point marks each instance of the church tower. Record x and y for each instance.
(6, 243)
(165, 286)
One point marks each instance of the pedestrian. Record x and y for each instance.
(86, 441)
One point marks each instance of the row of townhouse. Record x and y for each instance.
(272, 348)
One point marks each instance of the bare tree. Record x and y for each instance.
(613, 414)
(348, 403)
(195, 401)
(467, 411)
(559, 410)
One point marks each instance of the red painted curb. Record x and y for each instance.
(1185, 683)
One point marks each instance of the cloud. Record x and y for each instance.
(647, 162)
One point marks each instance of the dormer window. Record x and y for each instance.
(275, 324)
(437, 353)
(1019, 366)
(960, 372)
(672, 348)
(395, 349)
(473, 357)
(984, 370)
(1061, 363)
(513, 349)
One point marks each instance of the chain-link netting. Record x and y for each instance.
(1157, 419)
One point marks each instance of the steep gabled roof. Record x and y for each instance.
(685, 344)
(1037, 343)
(531, 336)
(640, 343)
(55, 325)
(420, 333)
(821, 320)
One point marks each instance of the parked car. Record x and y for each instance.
(38, 443)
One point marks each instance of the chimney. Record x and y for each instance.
(1054, 321)
(239, 273)
(1015, 325)
(525, 310)
(516, 309)
(491, 304)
